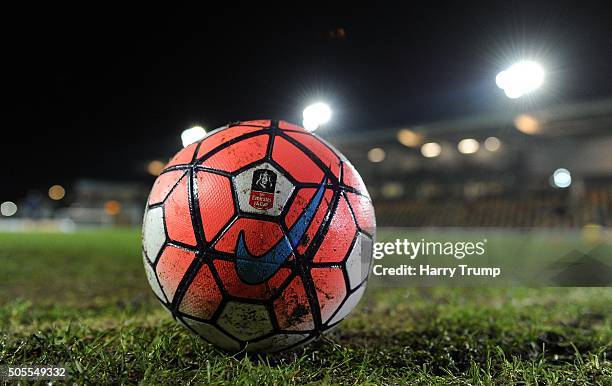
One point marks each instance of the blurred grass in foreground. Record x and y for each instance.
(82, 300)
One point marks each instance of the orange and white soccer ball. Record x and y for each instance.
(259, 237)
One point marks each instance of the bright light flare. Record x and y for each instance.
(561, 178)
(192, 135)
(316, 115)
(468, 146)
(431, 149)
(8, 208)
(520, 79)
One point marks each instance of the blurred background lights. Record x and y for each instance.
(192, 135)
(392, 190)
(561, 178)
(8, 208)
(527, 124)
(468, 146)
(492, 144)
(57, 192)
(520, 79)
(409, 138)
(431, 149)
(155, 167)
(316, 115)
(112, 207)
(376, 155)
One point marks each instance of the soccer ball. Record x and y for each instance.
(259, 237)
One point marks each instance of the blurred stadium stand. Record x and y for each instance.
(543, 210)
(509, 187)
(89, 204)
(104, 203)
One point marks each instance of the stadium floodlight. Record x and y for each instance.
(192, 135)
(8, 208)
(316, 115)
(561, 178)
(468, 146)
(520, 79)
(431, 149)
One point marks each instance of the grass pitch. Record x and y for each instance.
(82, 300)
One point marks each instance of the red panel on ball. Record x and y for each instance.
(292, 308)
(351, 178)
(290, 126)
(294, 161)
(184, 156)
(177, 215)
(260, 236)
(171, 267)
(236, 287)
(324, 153)
(331, 290)
(214, 197)
(339, 236)
(239, 154)
(163, 184)
(203, 296)
(364, 211)
(223, 136)
(257, 122)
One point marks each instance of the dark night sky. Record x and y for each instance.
(96, 92)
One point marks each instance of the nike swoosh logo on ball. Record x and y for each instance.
(254, 270)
